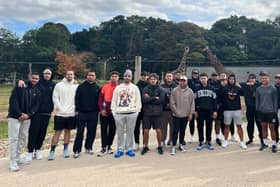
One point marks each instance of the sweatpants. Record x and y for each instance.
(167, 119)
(179, 128)
(17, 133)
(251, 120)
(204, 116)
(37, 131)
(191, 125)
(108, 130)
(90, 122)
(125, 123)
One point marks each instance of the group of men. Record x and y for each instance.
(123, 107)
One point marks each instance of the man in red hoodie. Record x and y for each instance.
(108, 127)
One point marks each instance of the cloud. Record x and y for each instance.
(93, 12)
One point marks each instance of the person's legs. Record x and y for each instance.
(250, 123)
(23, 134)
(130, 126)
(165, 121)
(34, 131)
(176, 128)
(170, 122)
(183, 124)
(104, 124)
(120, 121)
(112, 131)
(209, 125)
(200, 127)
(137, 128)
(79, 135)
(13, 134)
(44, 122)
(91, 131)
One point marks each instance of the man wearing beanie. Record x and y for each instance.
(153, 99)
(125, 106)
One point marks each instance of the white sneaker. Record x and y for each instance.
(173, 150)
(191, 139)
(225, 144)
(243, 145)
(182, 148)
(14, 166)
(136, 148)
(29, 157)
(38, 155)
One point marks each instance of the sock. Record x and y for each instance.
(53, 147)
(265, 141)
(217, 136)
(273, 142)
(65, 146)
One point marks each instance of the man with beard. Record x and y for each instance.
(125, 106)
(167, 87)
(86, 104)
(64, 107)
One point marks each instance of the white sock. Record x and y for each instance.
(217, 136)
(273, 142)
(265, 141)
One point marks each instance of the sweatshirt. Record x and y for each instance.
(266, 99)
(231, 97)
(167, 88)
(205, 98)
(46, 89)
(105, 96)
(153, 104)
(86, 98)
(126, 99)
(64, 98)
(249, 92)
(182, 102)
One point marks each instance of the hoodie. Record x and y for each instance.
(167, 88)
(64, 98)
(105, 96)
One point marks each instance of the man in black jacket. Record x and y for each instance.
(167, 87)
(277, 86)
(249, 91)
(40, 121)
(141, 84)
(206, 108)
(86, 104)
(152, 99)
(24, 103)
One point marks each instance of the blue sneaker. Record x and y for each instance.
(66, 153)
(118, 154)
(210, 147)
(51, 155)
(199, 147)
(130, 153)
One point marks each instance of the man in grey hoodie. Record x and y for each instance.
(266, 107)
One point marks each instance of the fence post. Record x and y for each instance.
(137, 72)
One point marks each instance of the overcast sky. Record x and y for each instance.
(22, 15)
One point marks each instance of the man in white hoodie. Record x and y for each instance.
(64, 107)
(125, 106)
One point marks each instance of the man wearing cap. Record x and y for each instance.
(249, 91)
(277, 85)
(125, 106)
(153, 99)
(167, 87)
(193, 83)
(141, 84)
(183, 107)
(267, 107)
(206, 108)
(107, 122)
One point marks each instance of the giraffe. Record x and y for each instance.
(182, 66)
(214, 61)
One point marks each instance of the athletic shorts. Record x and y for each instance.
(61, 123)
(266, 117)
(154, 122)
(235, 115)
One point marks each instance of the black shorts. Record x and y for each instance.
(266, 117)
(152, 121)
(61, 123)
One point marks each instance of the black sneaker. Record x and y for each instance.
(218, 141)
(102, 152)
(263, 147)
(144, 150)
(249, 142)
(160, 150)
(274, 149)
(184, 143)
